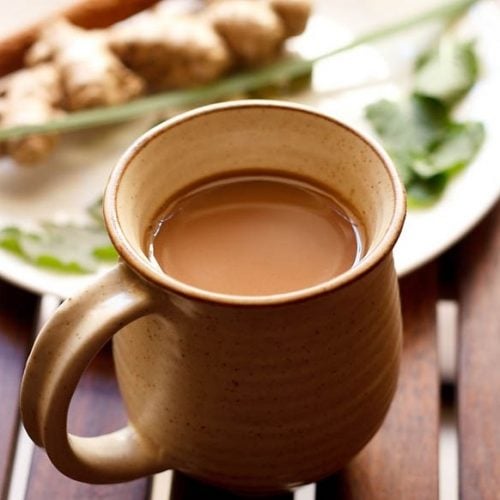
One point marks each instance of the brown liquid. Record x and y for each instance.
(255, 235)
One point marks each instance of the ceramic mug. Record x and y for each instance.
(250, 393)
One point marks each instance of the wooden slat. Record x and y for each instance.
(401, 462)
(96, 408)
(478, 264)
(17, 313)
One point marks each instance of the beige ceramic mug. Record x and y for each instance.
(254, 394)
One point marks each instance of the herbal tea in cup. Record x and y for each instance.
(255, 235)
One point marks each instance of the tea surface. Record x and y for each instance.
(255, 235)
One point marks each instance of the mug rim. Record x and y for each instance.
(167, 283)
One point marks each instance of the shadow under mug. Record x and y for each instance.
(250, 393)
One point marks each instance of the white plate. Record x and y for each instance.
(76, 175)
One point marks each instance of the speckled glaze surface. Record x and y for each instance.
(254, 394)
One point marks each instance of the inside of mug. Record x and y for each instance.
(261, 137)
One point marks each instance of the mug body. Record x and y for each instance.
(264, 399)
(259, 393)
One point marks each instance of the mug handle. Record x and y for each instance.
(63, 349)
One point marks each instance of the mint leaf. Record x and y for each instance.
(105, 253)
(68, 248)
(409, 127)
(425, 143)
(409, 130)
(446, 73)
(403, 161)
(425, 192)
(9, 240)
(455, 151)
(460, 146)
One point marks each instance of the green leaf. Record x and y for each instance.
(404, 164)
(106, 253)
(9, 240)
(55, 264)
(409, 130)
(425, 192)
(447, 72)
(460, 146)
(410, 127)
(426, 145)
(455, 151)
(66, 248)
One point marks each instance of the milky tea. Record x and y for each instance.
(255, 235)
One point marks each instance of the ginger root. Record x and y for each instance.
(91, 74)
(170, 51)
(32, 95)
(293, 13)
(251, 28)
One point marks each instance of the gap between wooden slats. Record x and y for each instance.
(448, 317)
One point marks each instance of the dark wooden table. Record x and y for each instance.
(401, 462)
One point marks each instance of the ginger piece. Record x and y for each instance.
(32, 96)
(253, 31)
(170, 51)
(91, 74)
(293, 13)
(84, 13)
